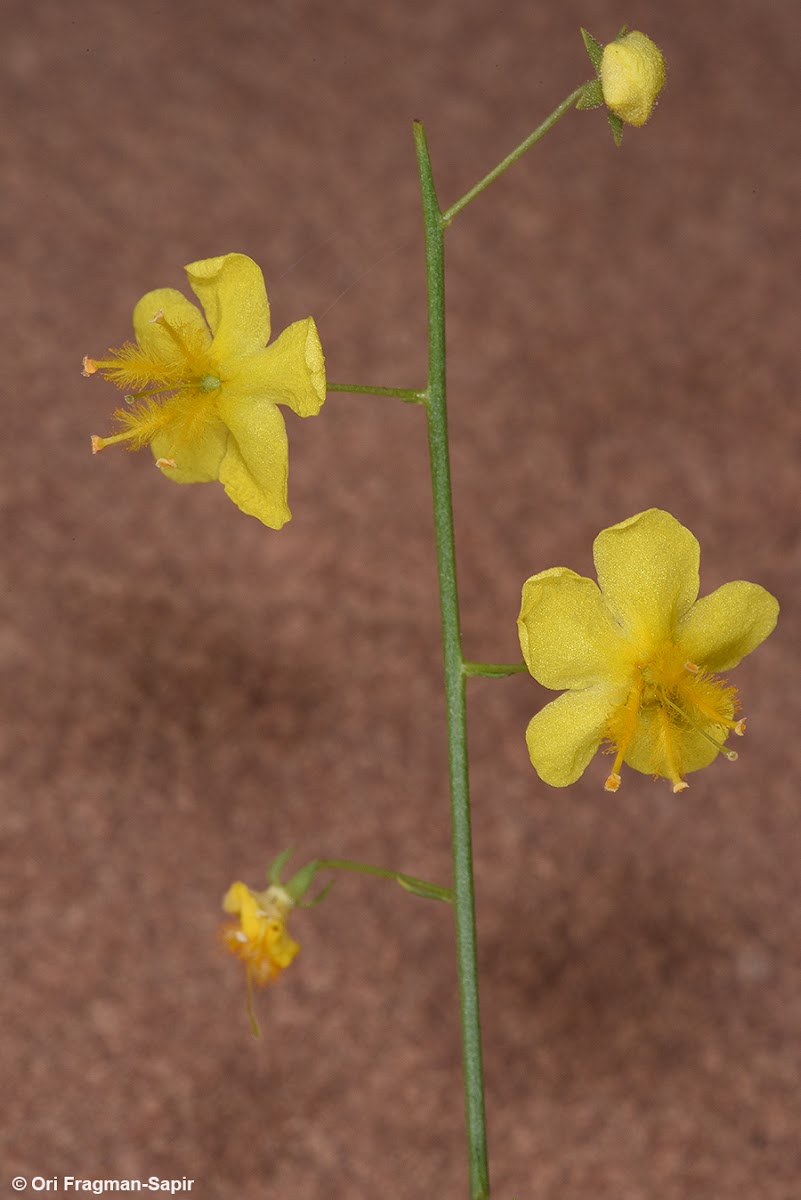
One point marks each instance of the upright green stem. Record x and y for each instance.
(463, 892)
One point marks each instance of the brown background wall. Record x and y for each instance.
(186, 693)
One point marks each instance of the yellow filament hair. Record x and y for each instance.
(622, 724)
(129, 366)
(180, 358)
(711, 699)
(185, 417)
(670, 747)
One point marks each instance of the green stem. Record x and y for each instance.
(463, 891)
(518, 152)
(494, 670)
(420, 887)
(406, 394)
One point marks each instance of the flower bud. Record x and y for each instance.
(632, 76)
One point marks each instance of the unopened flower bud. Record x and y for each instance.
(632, 76)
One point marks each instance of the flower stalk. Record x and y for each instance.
(408, 395)
(410, 883)
(518, 152)
(493, 670)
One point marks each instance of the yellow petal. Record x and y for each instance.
(197, 460)
(231, 290)
(255, 467)
(291, 371)
(282, 948)
(567, 634)
(720, 629)
(648, 572)
(238, 898)
(660, 747)
(565, 735)
(632, 76)
(178, 311)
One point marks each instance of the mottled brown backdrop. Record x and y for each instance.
(186, 693)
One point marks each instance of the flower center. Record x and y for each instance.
(674, 713)
(170, 387)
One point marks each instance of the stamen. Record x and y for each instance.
(623, 731)
(692, 667)
(132, 397)
(673, 771)
(100, 443)
(88, 366)
(161, 463)
(160, 319)
(739, 728)
(731, 755)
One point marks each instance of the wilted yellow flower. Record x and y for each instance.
(632, 73)
(259, 937)
(203, 393)
(639, 655)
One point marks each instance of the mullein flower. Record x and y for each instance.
(639, 656)
(259, 936)
(203, 392)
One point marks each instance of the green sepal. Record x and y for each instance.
(616, 125)
(321, 895)
(624, 29)
(592, 96)
(299, 884)
(593, 48)
(274, 873)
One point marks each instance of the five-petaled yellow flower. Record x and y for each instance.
(203, 393)
(639, 655)
(259, 937)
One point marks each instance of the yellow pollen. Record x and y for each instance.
(166, 462)
(692, 667)
(739, 728)
(97, 443)
(612, 782)
(680, 786)
(88, 366)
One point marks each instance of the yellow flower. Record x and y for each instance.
(632, 75)
(203, 393)
(259, 937)
(639, 655)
